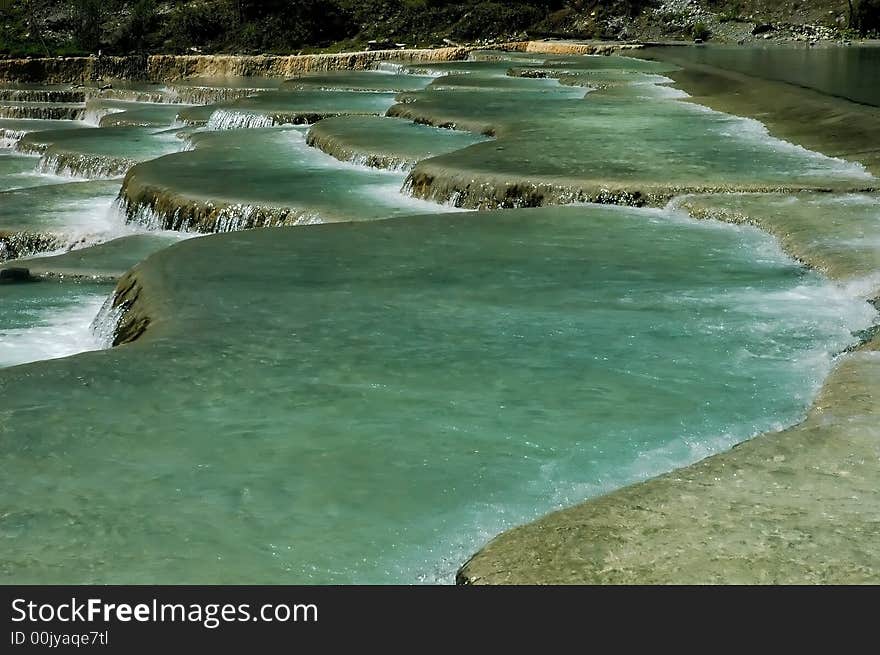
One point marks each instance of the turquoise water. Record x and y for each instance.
(294, 107)
(370, 400)
(273, 167)
(103, 112)
(358, 81)
(17, 171)
(62, 206)
(100, 153)
(852, 73)
(12, 129)
(419, 385)
(632, 132)
(385, 142)
(46, 320)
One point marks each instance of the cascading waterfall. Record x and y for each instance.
(106, 323)
(43, 111)
(140, 214)
(225, 119)
(42, 95)
(207, 95)
(92, 115)
(83, 165)
(192, 217)
(15, 245)
(467, 330)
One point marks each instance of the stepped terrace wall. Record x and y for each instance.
(65, 70)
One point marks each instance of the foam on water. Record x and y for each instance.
(9, 138)
(93, 115)
(49, 325)
(392, 193)
(455, 374)
(807, 344)
(404, 69)
(33, 178)
(226, 119)
(753, 132)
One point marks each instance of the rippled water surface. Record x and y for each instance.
(370, 400)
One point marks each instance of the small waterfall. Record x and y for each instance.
(15, 245)
(385, 162)
(233, 218)
(92, 115)
(193, 217)
(405, 69)
(106, 323)
(42, 95)
(225, 119)
(161, 95)
(208, 95)
(83, 165)
(9, 138)
(45, 112)
(142, 215)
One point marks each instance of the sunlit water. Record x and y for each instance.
(48, 320)
(852, 73)
(370, 401)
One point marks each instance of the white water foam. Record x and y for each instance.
(749, 130)
(10, 138)
(393, 192)
(406, 69)
(225, 119)
(84, 167)
(56, 333)
(92, 115)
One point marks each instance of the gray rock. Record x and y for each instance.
(11, 275)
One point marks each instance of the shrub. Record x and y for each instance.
(87, 17)
(700, 31)
(195, 25)
(489, 19)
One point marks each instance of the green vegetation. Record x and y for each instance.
(40, 27)
(731, 13)
(64, 27)
(701, 32)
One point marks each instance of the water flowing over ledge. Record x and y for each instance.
(152, 296)
(479, 190)
(130, 312)
(795, 506)
(15, 245)
(383, 142)
(43, 111)
(43, 95)
(159, 209)
(510, 173)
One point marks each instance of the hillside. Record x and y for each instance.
(56, 27)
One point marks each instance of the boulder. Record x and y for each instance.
(9, 275)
